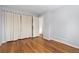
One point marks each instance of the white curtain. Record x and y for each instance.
(17, 26)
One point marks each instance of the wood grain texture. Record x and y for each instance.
(37, 45)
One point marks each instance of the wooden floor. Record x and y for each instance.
(37, 45)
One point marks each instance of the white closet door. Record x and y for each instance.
(16, 26)
(35, 26)
(8, 26)
(3, 27)
(26, 26)
(0, 26)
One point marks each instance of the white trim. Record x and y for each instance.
(3, 42)
(14, 40)
(61, 40)
(46, 37)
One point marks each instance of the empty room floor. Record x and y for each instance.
(36, 45)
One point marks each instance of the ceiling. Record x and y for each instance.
(34, 9)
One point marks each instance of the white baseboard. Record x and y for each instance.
(14, 40)
(2, 42)
(61, 40)
(46, 37)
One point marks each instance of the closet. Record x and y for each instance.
(17, 26)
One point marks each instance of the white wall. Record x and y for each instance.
(35, 26)
(63, 24)
(41, 18)
(47, 23)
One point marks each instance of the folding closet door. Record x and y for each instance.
(3, 27)
(16, 26)
(35, 26)
(26, 26)
(0, 26)
(8, 26)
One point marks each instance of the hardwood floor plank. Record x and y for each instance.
(37, 45)
(63, 47)
(27, 47)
